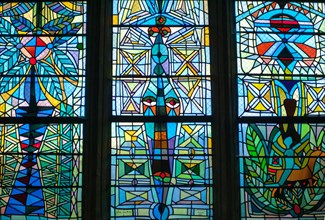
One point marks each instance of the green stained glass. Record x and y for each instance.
(282, 176)
(42, 78)
(41, 177)
(281, 80)
(134, 178)
(280, 61)
(42, 56)
(161, 169)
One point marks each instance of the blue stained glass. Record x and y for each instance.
(281, 74)
(160, 169)
(42, 74)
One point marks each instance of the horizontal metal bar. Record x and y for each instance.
(282, 33)
(171, 26)
(278, 120)
(281, 187)
(238, 1)
(148, 156)
(39, 154)
(38, 1)
(42, 187)
(164, 77)
(161, 119)
(261, 75)
(302, 157)
(163, 186)
(43, 35)
(42, 120)
(45, 76)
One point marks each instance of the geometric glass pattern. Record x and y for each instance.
(281, 87)
(135, 190)
(42, 102)
(161, 161)
(281, 177)
(42, 49)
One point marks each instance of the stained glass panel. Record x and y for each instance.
(280, 57)
(40, 170)
(280, 40)
(138, 167)
(42, 76)
(194, 94)
(42, 49)
(282, 170)
(142, 12)
(280, 78)
(187, 52)
(161, 169)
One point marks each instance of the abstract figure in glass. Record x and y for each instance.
(161, 159)
(160, 100)
(41, 61)
(281, 76)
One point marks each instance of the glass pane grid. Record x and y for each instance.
(280, 105)
(42, 100)
(161, 156)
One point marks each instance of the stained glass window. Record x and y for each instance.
(161, 165)
(42, 106)
(280, 66)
